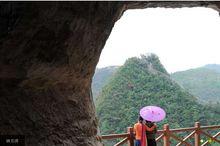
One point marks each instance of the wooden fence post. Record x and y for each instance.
(130, 138)
(166, 138)
(197, 134)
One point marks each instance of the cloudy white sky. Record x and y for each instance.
(183, 38)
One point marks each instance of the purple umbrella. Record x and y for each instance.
(152, 113)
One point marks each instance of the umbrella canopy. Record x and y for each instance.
(152, 113)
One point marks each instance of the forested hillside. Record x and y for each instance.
(203, 82)
(141, 82)
(100, 78)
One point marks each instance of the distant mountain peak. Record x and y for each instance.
(203, 82)
(214, 67)
(151, 61)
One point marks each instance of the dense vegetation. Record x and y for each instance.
(203, 82)
(141, 82)
(101, 78)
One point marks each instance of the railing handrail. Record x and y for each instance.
(190, 128)
(167, 133)
(113, 136)
(177, 130)
(210, 127)
(121, 135)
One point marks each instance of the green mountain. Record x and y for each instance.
(141, 82)
(214, 67)
(101, 78)
(203, 82)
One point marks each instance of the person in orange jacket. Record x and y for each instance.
(140, 132)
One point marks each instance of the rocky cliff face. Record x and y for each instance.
(48, 57)
(49, 52)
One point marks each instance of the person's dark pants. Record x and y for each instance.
(151, 142)
(137, 143)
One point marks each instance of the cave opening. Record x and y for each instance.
(182, 38)
(167, 32)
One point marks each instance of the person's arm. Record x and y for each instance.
(150, 129)
(134, 129)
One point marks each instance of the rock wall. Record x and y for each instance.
(49, 51)
(48, 56)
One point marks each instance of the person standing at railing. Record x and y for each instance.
(140, 132)
(151, 135)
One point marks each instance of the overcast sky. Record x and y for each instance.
(183, 38)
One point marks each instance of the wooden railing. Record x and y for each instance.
(167, 134)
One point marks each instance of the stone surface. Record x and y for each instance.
(49, 52)
(48, 56)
